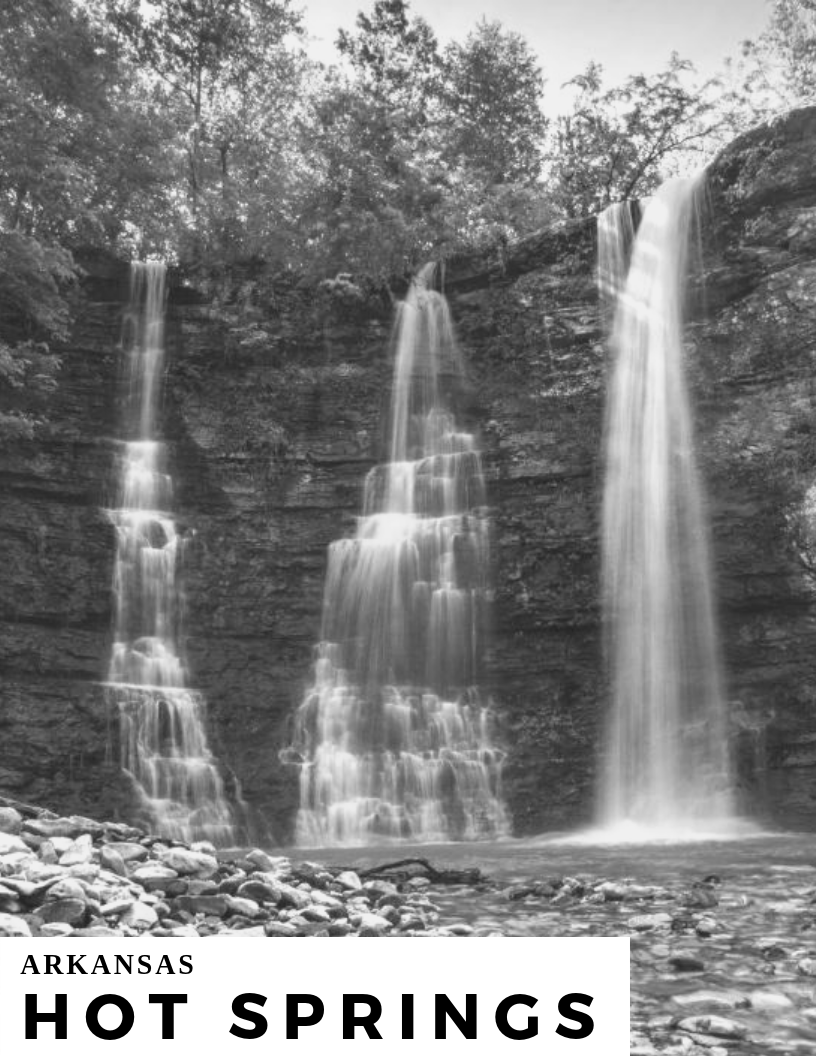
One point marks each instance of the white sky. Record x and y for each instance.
(625, 36)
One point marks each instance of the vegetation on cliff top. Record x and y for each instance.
(201, 131)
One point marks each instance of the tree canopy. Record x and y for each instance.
(200, 130)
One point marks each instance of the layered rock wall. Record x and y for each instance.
(273, 421)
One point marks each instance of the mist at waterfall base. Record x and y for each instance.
(162, 734)
(394, 735)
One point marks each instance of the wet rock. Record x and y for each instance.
(209, 905)
(67, 888)
(261, 891)
(64, 911)
(349, 880)
(50, 827)
(11, 821)
(378, 888)
(13, 927)
(189, 863)
(686, 962)
(111, 859)
(140, 916)
(79, 853)
(715, 1026)
(48, 852)
(649, 921)
(768, 1001)
(417, 883)
(246, 907)
(277, 929)
(315, 914)
(264, 862)
(153, 876)
(711, 999)
(612, 892)
(56, 930)
(129, 851)
(293, 896)
(11, 843)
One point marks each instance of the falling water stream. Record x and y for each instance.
(666, 754)
(394, 734)
(162, 733)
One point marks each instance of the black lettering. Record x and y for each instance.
(294, 1020)
(566, 1010)
(444, 1007)
(407, 1017)
(240, 1010)
(530, 1031)
(32, 964)
(168, 1003)
(144, 964)
(186, 962)
(351, 1020)
(124, 961)
(165, 965)
(100, 966)
(74, 967)
(52, 965)
(92, 1017)
(59, 1017)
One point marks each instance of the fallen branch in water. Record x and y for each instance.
(398, 871)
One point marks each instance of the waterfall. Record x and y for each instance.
(162, 722)
(616, 235)
(394, 734)
(666, 753)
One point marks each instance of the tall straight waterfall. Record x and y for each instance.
(394, 734)
(163, 740)
(667, 756)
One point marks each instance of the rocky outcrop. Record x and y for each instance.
(273, 419)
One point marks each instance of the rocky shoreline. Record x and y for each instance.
(715, 968)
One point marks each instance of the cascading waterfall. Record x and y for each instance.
(393, 735)
(667, 760)
(163, 741)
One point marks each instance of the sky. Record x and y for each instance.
(625, 36)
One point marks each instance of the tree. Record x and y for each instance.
(74, 148)
(493, 91)
(790, 43)
(225, 73)
(620, 142)
(395, 57)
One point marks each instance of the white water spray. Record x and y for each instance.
(162, 723)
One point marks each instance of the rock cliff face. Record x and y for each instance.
(273, 423)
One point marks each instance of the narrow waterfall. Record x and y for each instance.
(666, 753)
(394, 735)
(162, 730)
